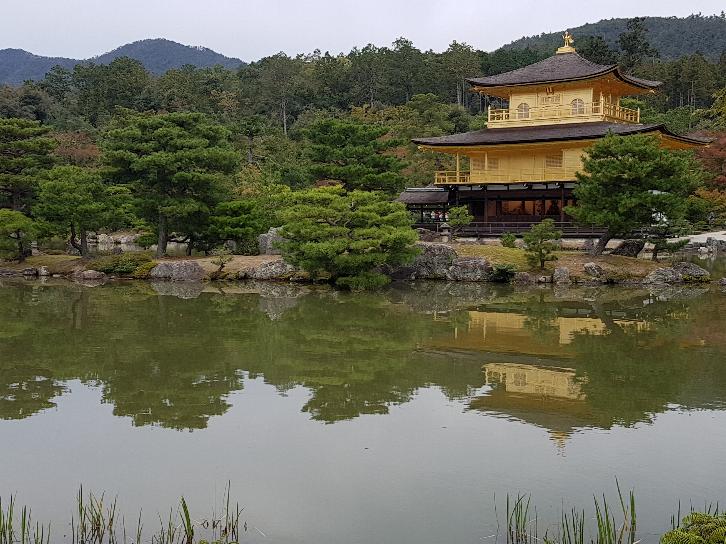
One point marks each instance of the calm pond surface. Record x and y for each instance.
(388, 418)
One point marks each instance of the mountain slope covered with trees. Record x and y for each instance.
(157, 56)
(673, 37)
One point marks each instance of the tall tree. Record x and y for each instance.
(630, 183)
(596, 49)
(635, 45)
(355, 154)
(75, 200)
(25, 154)
(177, 166)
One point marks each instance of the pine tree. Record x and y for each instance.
(631, 182)
(354, 154)
(25, 154)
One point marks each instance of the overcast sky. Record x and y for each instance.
(251, 29)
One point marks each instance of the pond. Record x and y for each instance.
(404, 416)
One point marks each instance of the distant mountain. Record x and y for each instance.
(158, 55)
(673, 37)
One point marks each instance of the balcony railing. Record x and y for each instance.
(562, 112)
(505, 175)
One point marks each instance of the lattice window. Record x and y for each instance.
(523, 111)
(578, 106)
(550, 99)
(554, 160)
(477, 163)
(493, 163)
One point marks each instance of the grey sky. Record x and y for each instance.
(250, 29)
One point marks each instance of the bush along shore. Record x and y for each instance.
(97, 519)
(434, 261)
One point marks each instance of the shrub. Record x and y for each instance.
(459, 217)
(508, 239)
(124, 264)
(147, 240)
(698, 528)
(502, 273)
(347, 237)
(143, 271)
(539, 243)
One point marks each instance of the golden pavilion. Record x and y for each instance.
(521, 168)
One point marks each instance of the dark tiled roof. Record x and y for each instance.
(546, 133)
(559, 68)
(424, 195)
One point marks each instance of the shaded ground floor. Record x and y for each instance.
(497, 208)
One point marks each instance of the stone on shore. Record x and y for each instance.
(30, 272)
(469, 269)
(523, 278)
(594, 270)
(433, 262)
(268, 241)
(561, 276)
(629, 248)
(272, 270)
(664, 275)
(177, 271)
(692, 272)
(43, 271)
(716, 245)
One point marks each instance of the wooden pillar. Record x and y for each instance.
(486, 205)
(562, 203)
(458, 167)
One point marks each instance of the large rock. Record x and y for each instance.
(433, 262)
(722, 281)
(664, 275)
(629, 248)
(177, 271)
(561, 276)
(594, 270)
(426, 235)
(716, 245)
(269, 241)
(692, 272)
(273, 270)
(43, 271)
(30, 271)
(469, 269)
(89, 275)
(523, 278)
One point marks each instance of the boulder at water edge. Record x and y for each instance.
(594, 270)
(177, 271)
(722, 281)
(523, 278)
(273, 270)
(692, 272)
(469, 269)
(433, 262)
(561, 276)
(664, 275)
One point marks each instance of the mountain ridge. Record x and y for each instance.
(673, 37)
(157, 54)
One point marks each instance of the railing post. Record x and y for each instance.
(638, 120)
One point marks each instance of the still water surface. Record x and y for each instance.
(395, 417)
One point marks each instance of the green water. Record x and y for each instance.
(394, 417)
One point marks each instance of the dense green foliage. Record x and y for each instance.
(459, 217)
(354, 153)
(628, 183)
(177, 166)
(673, 37)
(698, 528)
(508, 239)
(347, 237)
(76, 200)
(16, 233)
(24, 156)
(539, 243)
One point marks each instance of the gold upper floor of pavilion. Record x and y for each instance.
(564, 88)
